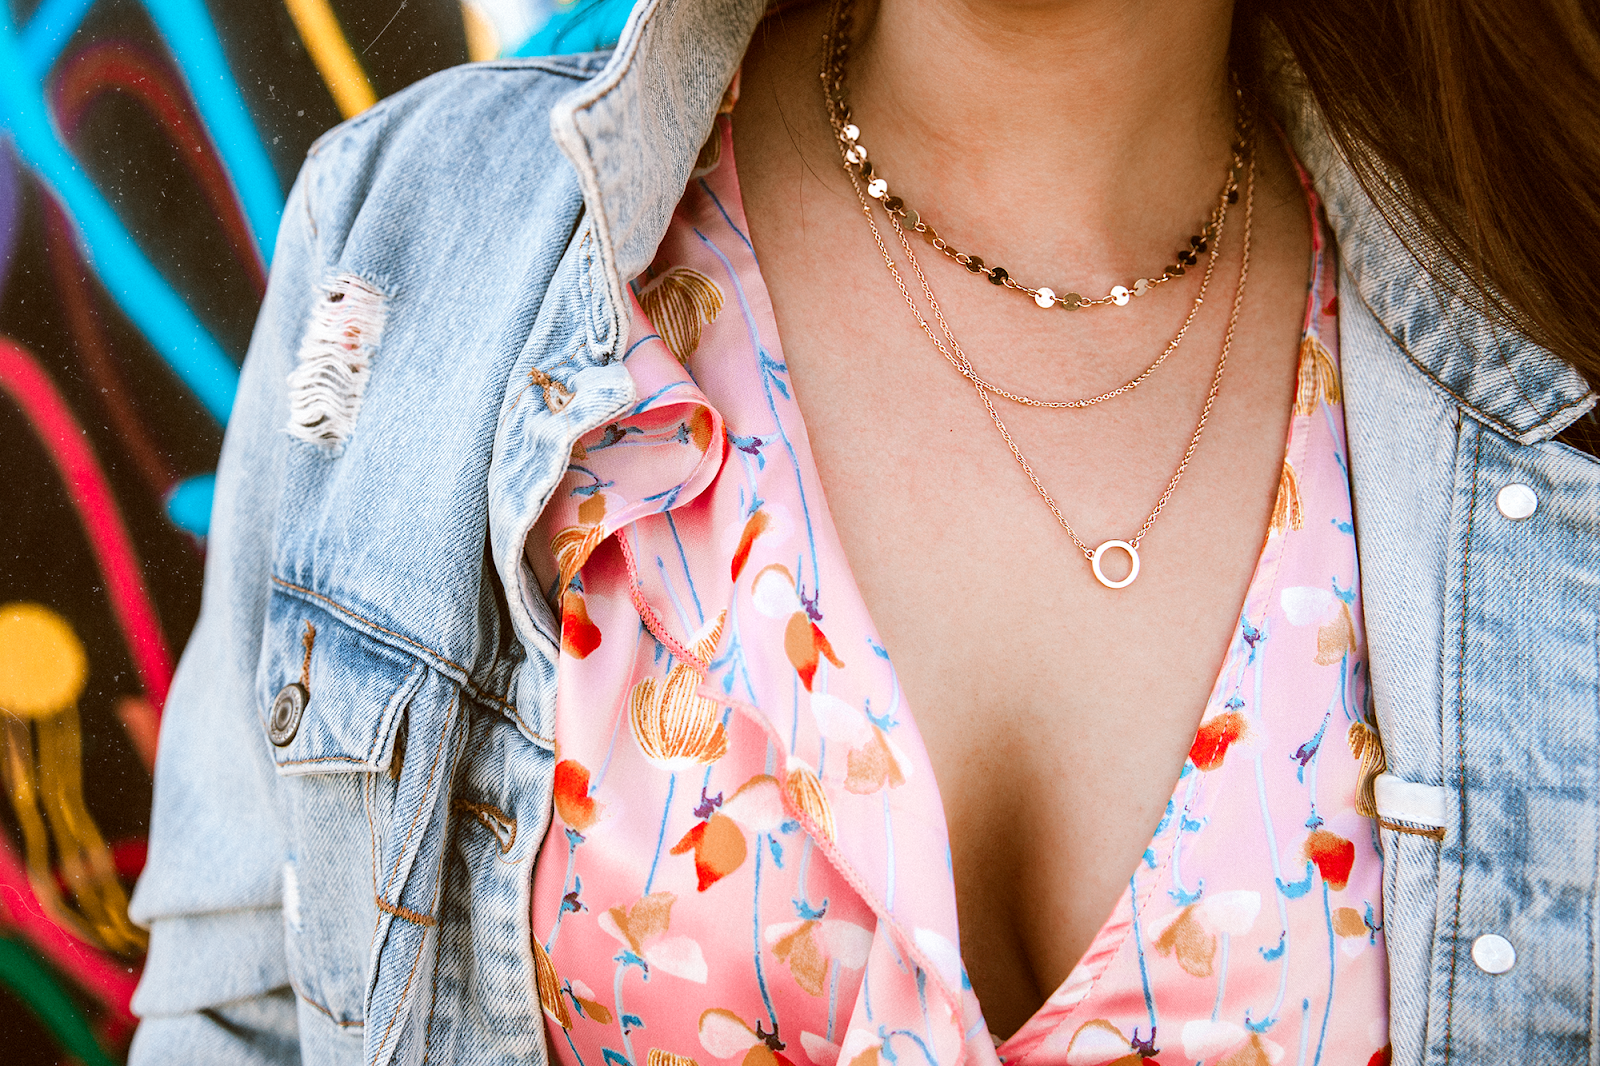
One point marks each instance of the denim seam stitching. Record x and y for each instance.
(1461, 745)
(406, 913)
(1504, 427)
(416, 963)
(324, 1010)
(472, 690)
(412, 828)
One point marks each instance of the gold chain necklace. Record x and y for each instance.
(835, 42)
(836, 46)
(836, 53)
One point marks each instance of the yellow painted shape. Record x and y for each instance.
(331, 52)
(42, 664)
(482, 40)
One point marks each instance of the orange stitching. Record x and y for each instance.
(472, 689)
(412, 976)
(407, 913)
(491, 818)
(412, 828)
(1435, 833)
(308, 638)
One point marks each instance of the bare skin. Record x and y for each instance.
(1076, 143)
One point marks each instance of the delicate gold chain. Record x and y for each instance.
(834, 42)
(836, 51)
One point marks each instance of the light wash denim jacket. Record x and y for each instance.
(345, 878)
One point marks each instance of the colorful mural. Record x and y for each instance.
(145, 150)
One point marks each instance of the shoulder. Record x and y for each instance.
(469, 141)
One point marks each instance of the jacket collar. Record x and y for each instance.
(634, 131)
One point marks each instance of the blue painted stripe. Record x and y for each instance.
(589, 26)
(189, 503)
(136, 285)
(192, 39)
(47, 33)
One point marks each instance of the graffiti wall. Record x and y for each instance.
(145, 150)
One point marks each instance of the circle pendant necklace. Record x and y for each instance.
(835, 49)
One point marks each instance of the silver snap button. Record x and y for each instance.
(1493, 953)
(287, 709)
(1516, 502)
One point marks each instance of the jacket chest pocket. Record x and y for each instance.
(364, 738)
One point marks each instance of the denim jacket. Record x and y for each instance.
(356, 766)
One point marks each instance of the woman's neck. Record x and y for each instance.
(1086, 132)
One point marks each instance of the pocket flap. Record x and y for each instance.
(330, 697)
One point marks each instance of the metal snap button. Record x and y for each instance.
(287, 708)
(1516, 502)
(1493, 953)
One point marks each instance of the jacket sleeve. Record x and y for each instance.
(216, 984)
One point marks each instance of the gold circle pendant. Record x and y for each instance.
(1133, 560)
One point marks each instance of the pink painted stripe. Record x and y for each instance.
(107, 979)
(68, 445)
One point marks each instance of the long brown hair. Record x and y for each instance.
(1475, 127)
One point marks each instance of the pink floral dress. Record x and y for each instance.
(749, 863)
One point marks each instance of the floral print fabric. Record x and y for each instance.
(749, 863)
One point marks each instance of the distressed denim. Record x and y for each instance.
(341, 874)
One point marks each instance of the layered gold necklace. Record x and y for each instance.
(872, 188)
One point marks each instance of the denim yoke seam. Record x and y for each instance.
(1503, 427)
(459, 673)
(1462, 840)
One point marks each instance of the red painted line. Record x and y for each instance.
(109, 980)
(25, 380)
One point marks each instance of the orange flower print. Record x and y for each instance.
(675, 726)
(1287, 512)
(757, 805)
(1333, 856)
(549, 986)
(775, 596)
(803, 789)
(1227, 1044)
(1191, 933)
(576, 807)
(1318, 378)
(753, 528)
(1336, 638)
(588, 1005)
(726, 1036)
(657, 1057)
(1188, 940)
(806, 647)
(718, 846)
(810, 947)
(1367, 745)
(679, 303)
(579, 636)
(572, 547)
(1100, 1043)
(1214, 737)
(861, 1047)
(642, 929)
(875, 764)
